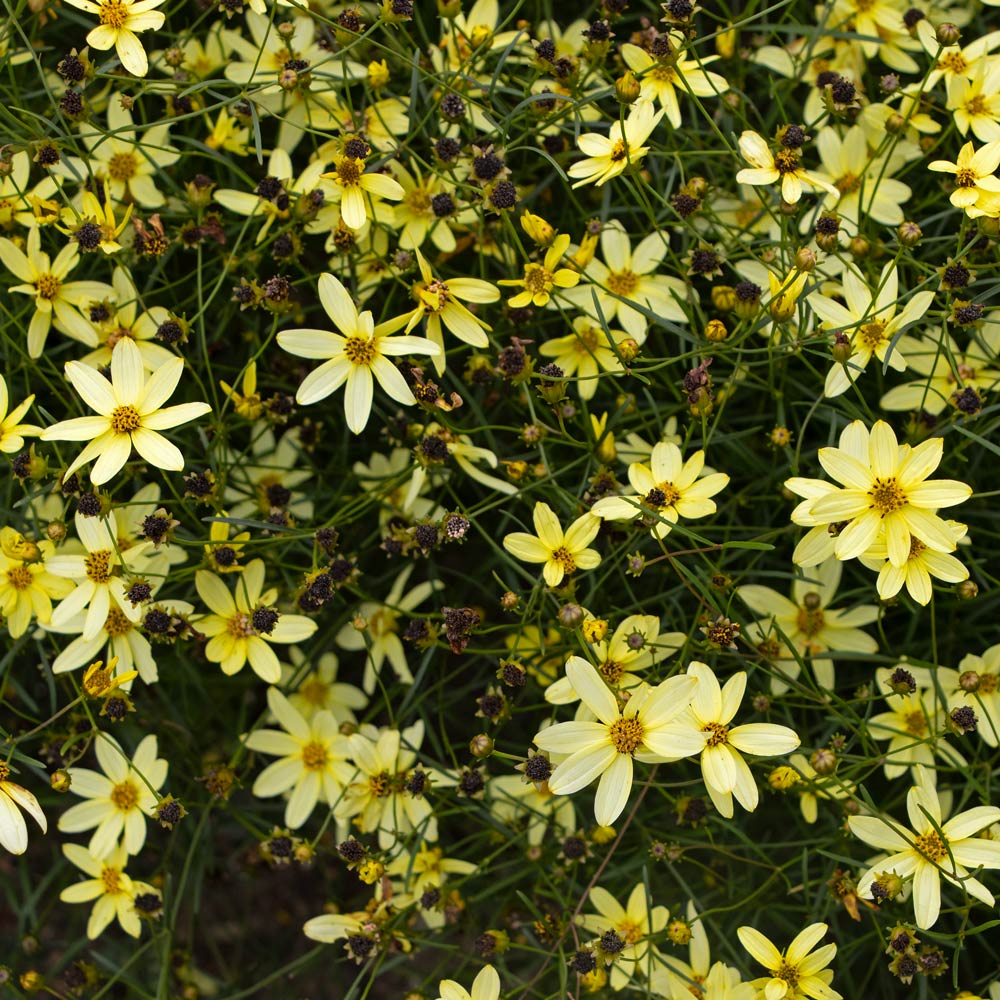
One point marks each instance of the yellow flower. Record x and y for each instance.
(100, 680)
(486, 986)
(608, 156)
(228, 134)
(27, 586)
(313, 756)
(562, 552)
(798, 972)
(360, 351)
(351, 184)
(606, 748)
(885, 489)
(242, 624)
(13, 798)
(222, 552)
(667, 489)
(973, 174)
(12, 431)
(130, 414)
(119, 800)
(540, 279)
(438, 302)
(120, 20)
(246, 403)
(785, 166)
(933, 850)
(114, 891)
(94, 226)
(55, 297)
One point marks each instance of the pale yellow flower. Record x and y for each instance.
(608, 156)
(14, 798)
(120, 21)
(562, 552)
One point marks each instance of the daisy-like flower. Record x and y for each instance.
(626, 282)
(912, 725)
(796, 973)
(27, 586)
(784, 166)
(921, 565)
(351, 185)
(439, 303)
(806, 625)
(380, 636)
(705, 730)
(243, 623)
(660, 79)
(364, 933)
(14, 798)
(976, 683)
(562, 552)
(357, 356)
(388, 793)
(100, 574)
(55, 297)
(422, 870)
(666, 490)
(486, 986)
(635, 923)
(975, 104)
(871, 321)
(608, 156)
(114, 891)
(12, 431)
(120, 21)
(130, 413)
(313, 764)
(540, 279)
(933, 850)
(606, 748)
(585, 353)
(319, 690)
(415, 217)
(95, 226)
(513, 800)
(16, 193)
(974, 174)
(119, 800)
(885, 489)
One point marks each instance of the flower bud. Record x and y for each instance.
(967, 590)
(570, 615)
(715, 331)
(60, 780)
(627, 88)
(480, 746)
(823, 761)
(909, 234)
(948, 33)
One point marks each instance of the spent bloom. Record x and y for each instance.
(130, 413)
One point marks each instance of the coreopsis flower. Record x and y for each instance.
(871, 321)
(921, 565)
(318, 690)
(227, 133)
(966, 62)
(513, 800)
(423, 869)
(913, 726)
(635, 923)
(626, 282)
(114, 891)
(975, 104)
(353, 189)
(935, 849)
(667, 490)
(388, 792)
(380, 633)
(125, 163)
(660, 79)
(100, 680)
(606, 748)
(120, 22)
(244, 623)
(423, 210)
(101, 574)
(585, 353)
(784, 166)
(974, 175)
(439, 303)
(540, 280)
(268, 475)
(608, 156)
(55, 298)
(364, 933)
(562, 552)
(130, 413)
(976, 684)
(357, 356)
(119, 800)
(14, 798)
(635, 645)
(796, 973)
(486, 986)
(17, 196)
(27, 586)
(946, 370)
(885, 489)
(805, 626)
(705, 729)
(313, 765)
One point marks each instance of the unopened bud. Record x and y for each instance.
(627, 88)
(948, 33)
